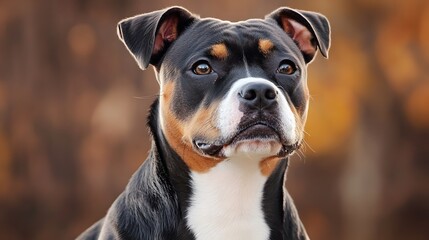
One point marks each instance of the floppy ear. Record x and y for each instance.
(309, 30)
(148, 36)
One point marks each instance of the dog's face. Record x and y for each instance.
(229, 90)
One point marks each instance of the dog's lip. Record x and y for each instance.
(259, 130)
(211, 149)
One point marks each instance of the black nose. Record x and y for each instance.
(258, 95)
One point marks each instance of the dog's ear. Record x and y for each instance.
(309, 30)
(148, 36)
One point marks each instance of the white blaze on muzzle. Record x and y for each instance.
(229, 114)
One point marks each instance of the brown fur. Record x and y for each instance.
(265, 46)
(179, 137)
(219, 51)
(268, 165)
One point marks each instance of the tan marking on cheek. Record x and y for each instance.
(265, 46)
(268, 165)
(179, 133)
(220, 51)
(166, 94)
(203, 124)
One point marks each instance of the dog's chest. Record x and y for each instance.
(227, 203)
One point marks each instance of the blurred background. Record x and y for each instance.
(73, 107)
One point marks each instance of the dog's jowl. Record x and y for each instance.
(231, 109)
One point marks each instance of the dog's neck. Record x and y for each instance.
(229, 201)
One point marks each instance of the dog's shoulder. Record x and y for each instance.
(147, 209)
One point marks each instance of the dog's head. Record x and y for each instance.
(229, 90)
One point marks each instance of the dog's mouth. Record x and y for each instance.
(256, 132)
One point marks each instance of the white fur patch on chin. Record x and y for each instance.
(253, 148)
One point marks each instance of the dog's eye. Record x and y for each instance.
(287, 67)
(202, 68)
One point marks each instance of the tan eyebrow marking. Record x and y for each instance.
(265, 46)
(219, 51)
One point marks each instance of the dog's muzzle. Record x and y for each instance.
(258, 105)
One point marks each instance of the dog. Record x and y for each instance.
(231, 110)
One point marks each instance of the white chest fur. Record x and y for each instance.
(227, 202)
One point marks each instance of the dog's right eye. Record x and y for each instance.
(202, 68)
(287, 67)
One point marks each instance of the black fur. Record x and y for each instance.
(155, 201)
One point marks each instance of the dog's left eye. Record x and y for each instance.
(287, 67)
(202, 68)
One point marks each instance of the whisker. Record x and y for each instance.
(298, 154)
(147, 97)
(308, 145)
(303, 130)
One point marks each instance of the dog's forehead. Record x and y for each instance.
(215, 30)
(237, 37)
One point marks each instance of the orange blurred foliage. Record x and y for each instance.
(73, 107)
